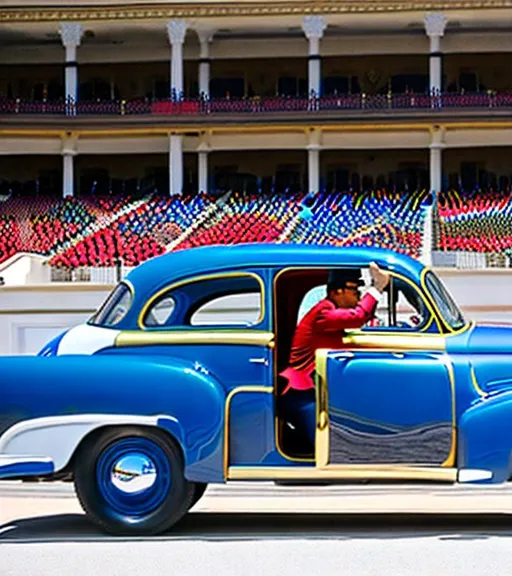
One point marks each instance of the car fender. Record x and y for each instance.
(485, 436)
(53, 403)
(57, 437)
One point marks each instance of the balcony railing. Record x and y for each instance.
(268, 105)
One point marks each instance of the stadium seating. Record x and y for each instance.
(46, 225)
(476, 222)
(245, 219)
(384, 220)
(10, 243)
(77, 232)
(137, 235)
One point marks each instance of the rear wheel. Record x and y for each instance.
(131, 481)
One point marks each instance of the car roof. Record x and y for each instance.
(173, 266)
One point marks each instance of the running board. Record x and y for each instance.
(340, 472)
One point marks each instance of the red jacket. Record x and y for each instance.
(323, 327)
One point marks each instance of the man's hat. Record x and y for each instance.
(338, 278)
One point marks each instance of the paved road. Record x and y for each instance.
(264, 529)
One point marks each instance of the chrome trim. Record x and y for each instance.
(350, 472)
(134, 473)
(473, 475)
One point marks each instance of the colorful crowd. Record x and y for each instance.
(78, 232)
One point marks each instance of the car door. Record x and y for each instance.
(385, 407)
(217, 322)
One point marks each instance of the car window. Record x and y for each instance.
(450, 311)
(161, 312)
(400, 308)
(311, 298)
(231, 310)
(115, 307)
(231, 300)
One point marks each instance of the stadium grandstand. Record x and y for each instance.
(129, 129)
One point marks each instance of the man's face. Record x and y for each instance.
(346, 297)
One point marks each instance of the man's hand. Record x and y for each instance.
(379, 277)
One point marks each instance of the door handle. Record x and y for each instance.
(398, 355)
(259, 361)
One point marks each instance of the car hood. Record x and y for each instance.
(485, 338)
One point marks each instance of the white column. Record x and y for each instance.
(68, 180)
(71, 35)
(314, 169)
(435, 24)
(205, 38)
(176, 31)
(313, 27)
(435, 168)
(314, 147)
(175, 164)
(437, 143)
(203, 171)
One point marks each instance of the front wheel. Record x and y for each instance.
(199, 490)
(130, 481)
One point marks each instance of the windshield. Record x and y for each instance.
(450, 311)
(114, 308)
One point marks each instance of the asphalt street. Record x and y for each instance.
(266, 529)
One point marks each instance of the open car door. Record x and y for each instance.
(378, 407)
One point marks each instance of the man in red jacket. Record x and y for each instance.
(324, 327)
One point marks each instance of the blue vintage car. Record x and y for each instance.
(173, 384)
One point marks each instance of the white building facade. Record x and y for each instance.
(287, 94)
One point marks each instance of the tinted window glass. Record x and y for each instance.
(230, 300)
(231, 310)
(161, 312)
(450, 311)
(115, 307)
(404, 308)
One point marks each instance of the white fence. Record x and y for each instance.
(31, 315)
(470, 260)
(104, 275)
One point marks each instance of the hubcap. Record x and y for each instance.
(133, 476)
(134, 473)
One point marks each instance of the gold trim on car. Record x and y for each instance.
(190, 280)
(475, 384)
(414, 341)
(322, 409)
(213, 336)
(229, 397)
(349, 472)
(452, 456)
(439, 314)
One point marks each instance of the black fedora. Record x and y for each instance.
(339, 277)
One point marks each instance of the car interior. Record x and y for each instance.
(290, 288)
(295, 292)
